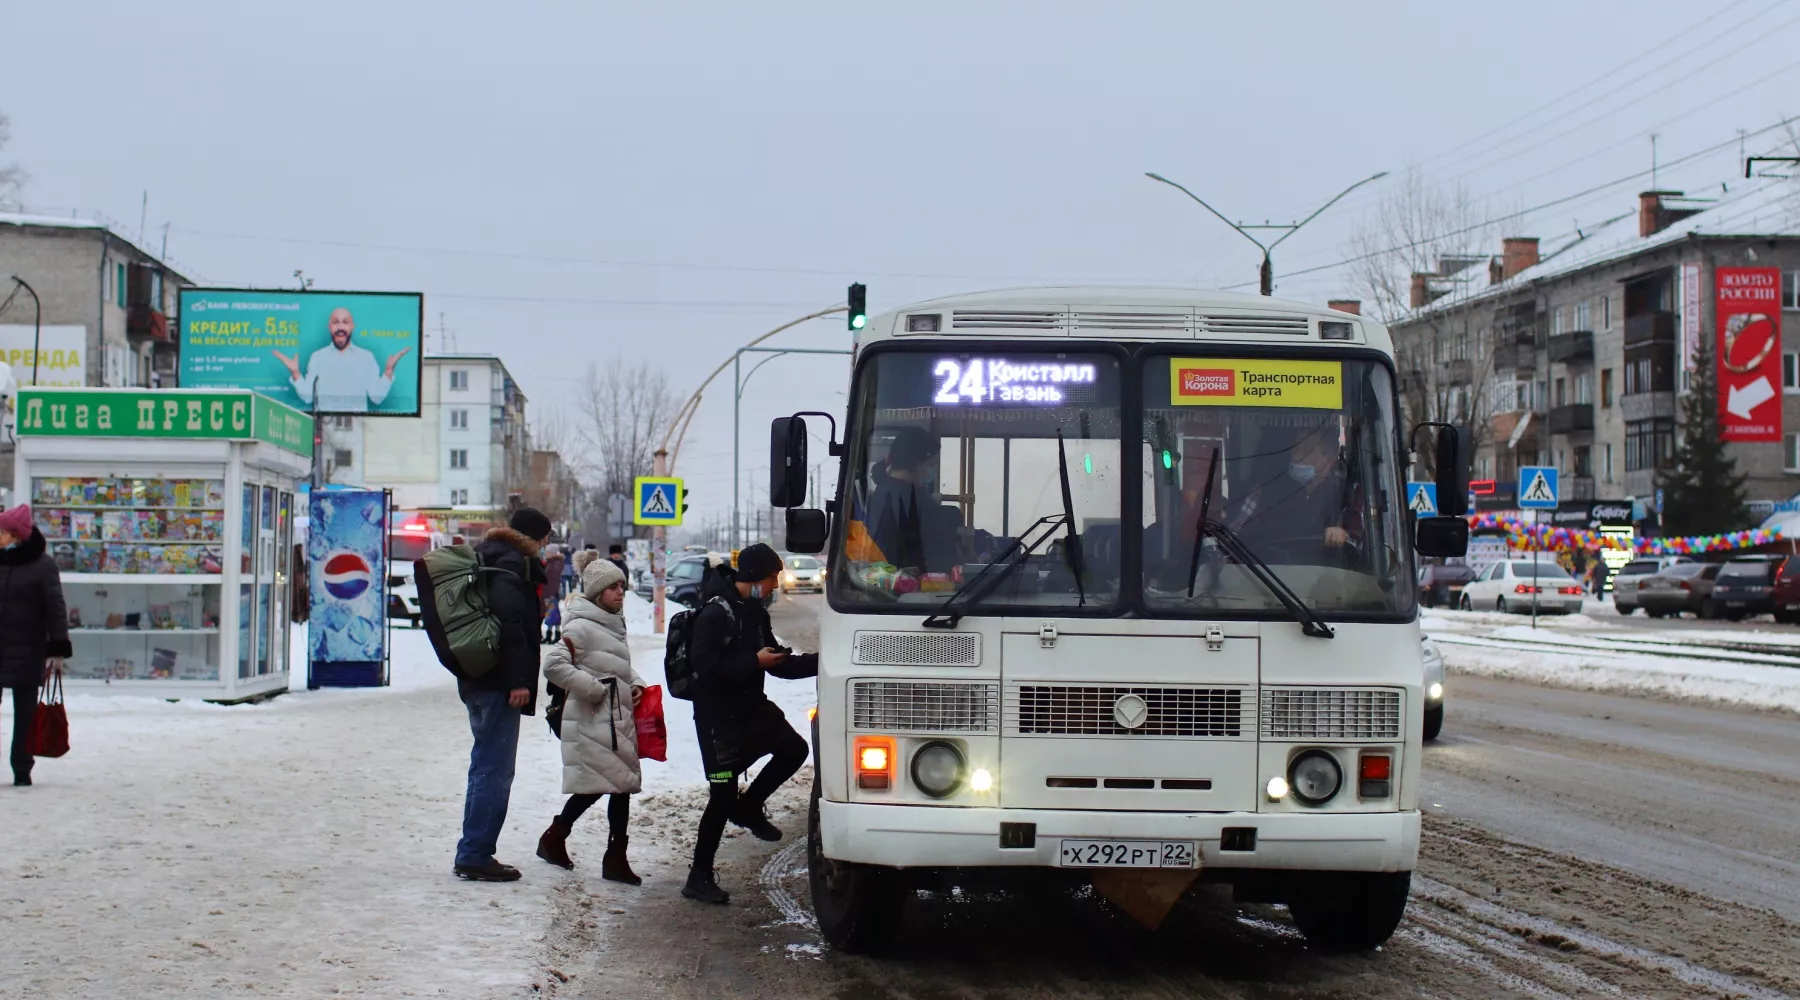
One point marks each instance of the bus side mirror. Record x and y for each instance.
(1452, 468)
(1441, 536)
(806, 530)
(787, 462)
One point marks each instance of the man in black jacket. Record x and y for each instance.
(733, 647)
(496, 699)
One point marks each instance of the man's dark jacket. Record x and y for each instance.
(515, 597)
(730, 707)
(34, 621)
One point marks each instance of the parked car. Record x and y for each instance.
(409, 543)
(1625, 581)
(1681, 587)
(681, 583)
(1786, 599)
(1745, 586)
(1442, 586)
(1513, 585)
(803, 573)
(1434, 688)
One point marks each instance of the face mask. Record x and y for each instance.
(1302, 473)
(761, 594)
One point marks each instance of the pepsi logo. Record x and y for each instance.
(347, 576)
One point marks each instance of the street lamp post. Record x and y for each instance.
(1267, 272)
(37, 325)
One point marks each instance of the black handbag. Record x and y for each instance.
(553, 713)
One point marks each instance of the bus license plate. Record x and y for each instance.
(1127, 854)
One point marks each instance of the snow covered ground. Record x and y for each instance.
(302, 847)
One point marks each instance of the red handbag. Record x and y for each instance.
(50, 725)
(653, 732)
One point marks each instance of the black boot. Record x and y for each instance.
(553, 846)
(701, 888)
(614, 867)
(21, 778)
(750, 816)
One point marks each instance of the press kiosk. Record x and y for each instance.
(171, 515)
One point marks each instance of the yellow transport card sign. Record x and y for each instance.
(1310, 385)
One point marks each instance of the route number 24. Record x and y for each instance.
(960, 383)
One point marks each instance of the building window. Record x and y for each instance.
(342, 458)
(459, 458)
(119, 285)
(1584, 388)
(1649, 444)
(1556, 322)
(1606, 465)
(343, 423)
(459, 420)
(1562, 395)
(459, 497)
(1790, 372)
(1583, 316)
(459, 378)
(1790, 290)
(1606, 388)
(1605, 312)
(1584, 460)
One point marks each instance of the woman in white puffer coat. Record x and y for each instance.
(599, 731)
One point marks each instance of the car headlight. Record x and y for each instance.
(937, 769)
(1315, 777)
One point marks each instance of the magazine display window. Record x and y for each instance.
(173, 533)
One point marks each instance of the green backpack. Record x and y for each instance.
(453, 602)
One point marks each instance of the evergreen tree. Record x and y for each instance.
(1703, 493)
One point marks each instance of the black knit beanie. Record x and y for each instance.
(530, 522)
(757, 562)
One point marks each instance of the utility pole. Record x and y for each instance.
(1266, 273)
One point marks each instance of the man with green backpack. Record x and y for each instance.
(481, 607)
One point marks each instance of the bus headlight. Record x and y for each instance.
(981, 781)
(1315, 777)
(1435, 692)
(937, 769)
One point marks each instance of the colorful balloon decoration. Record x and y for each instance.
(1526, 535)
(1695, 544)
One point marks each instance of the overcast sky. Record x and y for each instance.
(566, 182)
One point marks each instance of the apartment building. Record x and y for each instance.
(469, 450)
(1575, 355)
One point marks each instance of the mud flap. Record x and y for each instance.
(1147, 896)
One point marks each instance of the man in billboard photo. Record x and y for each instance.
(342, 377)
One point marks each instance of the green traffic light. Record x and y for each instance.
(1168, 459)
(1087, 464)
(857, 322)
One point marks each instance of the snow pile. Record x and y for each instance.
(1738, 684)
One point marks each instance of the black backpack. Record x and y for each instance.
(678, 658)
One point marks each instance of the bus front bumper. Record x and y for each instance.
(959, 837)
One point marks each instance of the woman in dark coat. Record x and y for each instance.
(34, 626)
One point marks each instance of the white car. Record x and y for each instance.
(1515, 584)
(803, 573)
(1434, 688)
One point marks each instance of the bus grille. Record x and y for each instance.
(1330, 714)
(1082, 710)
(1237, 326)
(918, 649)
(924, 706)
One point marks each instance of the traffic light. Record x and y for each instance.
(859, 306)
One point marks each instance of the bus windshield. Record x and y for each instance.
(962, 459)
(1305, 477)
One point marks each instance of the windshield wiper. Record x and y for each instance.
(1228, 540)
(993, 574)
(1072, 542)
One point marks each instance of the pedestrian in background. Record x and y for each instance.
(734, 646)
(496, 699)
(615, 554)
(599, 730)
(554, 563)
(34, 626)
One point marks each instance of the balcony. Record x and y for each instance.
(1456, 371)
(1648, 405)
(1568, 348)
(1575, 488)
(1650, 328)
(1515, 357)
(1573, 418)
(143, 322)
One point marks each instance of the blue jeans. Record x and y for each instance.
(495, 725)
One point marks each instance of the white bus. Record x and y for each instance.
(1120, 590)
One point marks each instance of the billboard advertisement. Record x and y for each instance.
(346, 556)
(1748, 316)
(61, 353)
(323, 352)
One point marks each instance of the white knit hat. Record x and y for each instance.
(598, 575)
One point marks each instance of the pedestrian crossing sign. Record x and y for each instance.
(1421, 499)
(1537, 487)
(658, 501)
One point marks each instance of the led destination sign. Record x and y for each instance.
(1000, 382)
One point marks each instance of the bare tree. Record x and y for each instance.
(12, 176)
(622, 416)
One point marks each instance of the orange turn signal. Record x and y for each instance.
(874, 762)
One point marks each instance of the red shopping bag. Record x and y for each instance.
(50, 726)
(653, 733)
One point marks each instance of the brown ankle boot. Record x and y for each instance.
(553, 846)
(614, 867)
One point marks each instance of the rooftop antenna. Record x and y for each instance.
(143, 214)
(300, 276)
(1653, 184)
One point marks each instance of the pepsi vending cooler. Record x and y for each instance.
(170, 515)
(346, 555)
